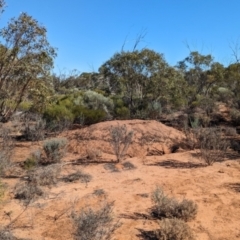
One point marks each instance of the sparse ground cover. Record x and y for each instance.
(121, 193)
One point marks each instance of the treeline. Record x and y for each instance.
(131, 84)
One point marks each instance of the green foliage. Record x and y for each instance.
(26, 59)
(134, 75)
(122, 113)
(58, 113)
(88, 116)
(33, 160)
(54, 150)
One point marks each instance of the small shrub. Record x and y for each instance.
(229, 131)
(6, 234)
(33, 160)
(212, 145)
(174, 229)
(128, 166)
(27, 192)
(54, 150)
(93, 153)
(99, 192)
(90, 116)
(171, 208)
(7, 145)
(34, 127)
(122, 113)
(93, 224)
(111, 167)
(79, 176)
(45, 176)
(120, 140)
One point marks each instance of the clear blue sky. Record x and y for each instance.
(88, 32)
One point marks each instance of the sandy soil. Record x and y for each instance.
(215, 189)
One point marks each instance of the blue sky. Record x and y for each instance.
(88, 32)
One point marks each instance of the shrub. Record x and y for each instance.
(54, 150)
(128, 166)
(88, 116)
(5, 234)
(212, 145)
(174, 229)
(93, 153)
(6, 150)
(34, 127)
(27, 192)
(91, 224)
(58, 113)
(94, 100)
(111, 167)
(33, 160)
(99, 192)
(122, 113)
(58, 117)
(120, 140)
(45, 176)
(78, 175)
(171, 208)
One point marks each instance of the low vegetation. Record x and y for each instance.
(167, 207)
(174, 229)
(95, 224)
(121, 138)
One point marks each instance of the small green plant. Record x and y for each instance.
(95, 224)
(33, 160)
(166, 207)
(54, 150)
(121, 138)
(174, 229)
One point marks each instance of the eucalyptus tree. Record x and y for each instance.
(139, 76)
(26, 59)
(203, 76)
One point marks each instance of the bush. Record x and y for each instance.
(45, 176)
(128, 166)
(88, 116)
(27, 192)
(122, 113)
(174, 229)
(94, 100)
(171, 208)
(34, 127)
(5, 234)
(212, 145)
(120, 140)
(78, 176)
(54, 150)
(58, 117)
(93, 224)
(6, 150)
(93, 153)
(33, 160)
